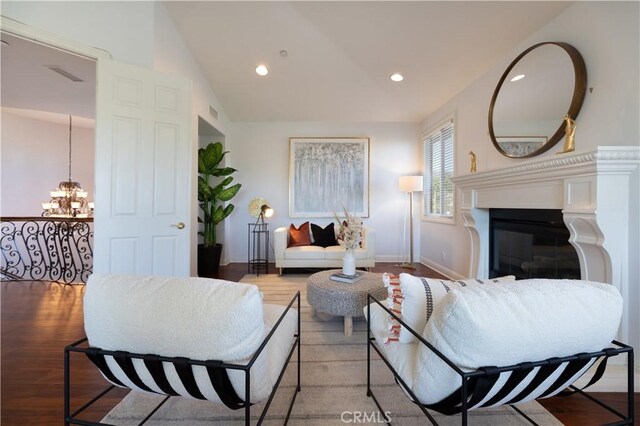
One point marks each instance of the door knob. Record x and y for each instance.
(179, 225)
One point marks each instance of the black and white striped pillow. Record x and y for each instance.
(421, 295)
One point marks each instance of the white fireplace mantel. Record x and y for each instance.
(598, 195)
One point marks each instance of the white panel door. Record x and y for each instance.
(142, 194)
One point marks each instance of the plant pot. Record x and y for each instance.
(209, 260)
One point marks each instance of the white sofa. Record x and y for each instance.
(321, 257)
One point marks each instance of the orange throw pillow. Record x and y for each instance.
(299, 236)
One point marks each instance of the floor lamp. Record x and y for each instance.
(410, 184)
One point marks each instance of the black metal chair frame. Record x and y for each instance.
(71, 417)
(627, 419)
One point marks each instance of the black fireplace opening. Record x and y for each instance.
(531, 243)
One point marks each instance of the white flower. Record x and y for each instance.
(349, 231)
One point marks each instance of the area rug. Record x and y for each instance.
(333, 382)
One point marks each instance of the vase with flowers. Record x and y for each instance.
(349, 237)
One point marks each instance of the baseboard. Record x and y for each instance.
(390, 258)
(442, 269)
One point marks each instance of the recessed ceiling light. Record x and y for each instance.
(262, 70)
(397, 77)
(284, 53)
(518, 77)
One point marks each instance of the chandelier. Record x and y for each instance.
(68, 199)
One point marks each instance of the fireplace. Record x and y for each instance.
(530, 243)
(597, 196)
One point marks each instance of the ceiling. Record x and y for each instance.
(341, 54)
(27, 83)
(340, 57)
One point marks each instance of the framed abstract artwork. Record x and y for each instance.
(328, 175)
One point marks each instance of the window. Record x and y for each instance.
(438, 160)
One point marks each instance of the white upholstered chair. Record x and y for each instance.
(189, 337)
(496, 343)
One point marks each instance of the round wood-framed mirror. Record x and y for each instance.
(540, 87)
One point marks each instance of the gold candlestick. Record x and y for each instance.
(473, 161)
(569, 135)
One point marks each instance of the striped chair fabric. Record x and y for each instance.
(156, 368)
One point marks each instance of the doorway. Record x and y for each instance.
(48, 143)
(142, 166)
(207, 134)
(41, 88)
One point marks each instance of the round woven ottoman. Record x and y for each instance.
(343, 299)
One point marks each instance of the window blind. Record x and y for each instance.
(438, 150)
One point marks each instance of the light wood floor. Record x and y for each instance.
(39, 319)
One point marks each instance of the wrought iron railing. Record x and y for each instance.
(46, 248)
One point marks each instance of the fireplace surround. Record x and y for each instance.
(598, 194)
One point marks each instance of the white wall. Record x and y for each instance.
(606, 34)
(172, 56)
(35, 159)
(124, 29)
(260, 152)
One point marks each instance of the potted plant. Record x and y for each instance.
(211, 199)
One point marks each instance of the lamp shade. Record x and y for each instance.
(267, 211)
(410, 183)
